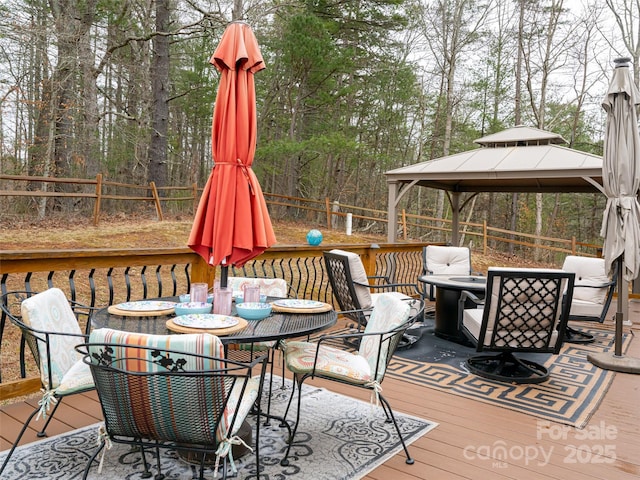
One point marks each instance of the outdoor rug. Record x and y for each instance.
(571, 395)
(339, 438)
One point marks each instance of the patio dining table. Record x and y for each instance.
(277, 326)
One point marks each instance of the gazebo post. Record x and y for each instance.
(454, 199)
(392, 212)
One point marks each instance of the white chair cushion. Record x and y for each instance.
(581, 308)
(442, 260)
(245, 405)
(589, 271)
(398, 295)
(389, 312)
(472, 321)
(50, 311)
(271, 287)
(77, 378)
(358, 275)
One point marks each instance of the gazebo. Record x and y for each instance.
(519, 159)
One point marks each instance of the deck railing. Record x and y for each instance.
(102, 277)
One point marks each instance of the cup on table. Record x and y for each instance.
(252, 293)
(222, 301)
(199, 292)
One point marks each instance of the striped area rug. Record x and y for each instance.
(570, 396)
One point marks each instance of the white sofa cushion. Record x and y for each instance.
(443, 260)
(589, 271)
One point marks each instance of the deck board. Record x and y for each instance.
(464, 426)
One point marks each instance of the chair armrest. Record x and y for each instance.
(392, 286)
(599, 285)
(464, 296)
(467, 295)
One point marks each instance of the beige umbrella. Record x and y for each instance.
(621, 181)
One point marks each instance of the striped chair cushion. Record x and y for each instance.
(138, 360)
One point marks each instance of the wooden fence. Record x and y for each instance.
(413, 227)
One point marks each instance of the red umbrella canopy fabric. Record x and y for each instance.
(232, 223)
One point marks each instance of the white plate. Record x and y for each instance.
(295, 303)
(206, 320)
(145, 306)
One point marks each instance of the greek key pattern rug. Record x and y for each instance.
(570, 396)
(339, 438)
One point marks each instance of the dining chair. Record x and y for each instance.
(175, 392)
(51, 331)
(352, 289)
(444, 260)
(524, 311)
(389, 319)
(592, 293)
(275, 288)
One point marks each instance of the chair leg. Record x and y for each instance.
(572, 335)
(160, 475)
(387, 407)
(42, 432)
(15, 444)
(297, 380)
(93, 457)
(272, 354)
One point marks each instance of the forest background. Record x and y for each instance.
(351, 90)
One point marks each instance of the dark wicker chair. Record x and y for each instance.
(189, 398)
(525, 311)
(366, 368)
(50, 328)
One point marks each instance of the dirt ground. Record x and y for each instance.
(138, 232)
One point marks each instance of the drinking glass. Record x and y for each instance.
(222, 301)
(252, 293)
(199, 292)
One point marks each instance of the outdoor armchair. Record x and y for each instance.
(524, 311)
(444, 260)
(51, 331)
(352, 288)
(173, 392)
(593, 289)
(389, 319)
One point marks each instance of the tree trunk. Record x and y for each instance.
(160, 88)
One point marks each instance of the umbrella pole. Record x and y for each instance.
(620, 310)
(224, 275)
(617, 362)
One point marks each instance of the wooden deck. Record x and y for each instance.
(474, 440)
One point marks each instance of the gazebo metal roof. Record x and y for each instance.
(519, 159)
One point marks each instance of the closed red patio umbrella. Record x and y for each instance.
(232, 223)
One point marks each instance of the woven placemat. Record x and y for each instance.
(114, 310)
(174, 327)
(326, 307)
